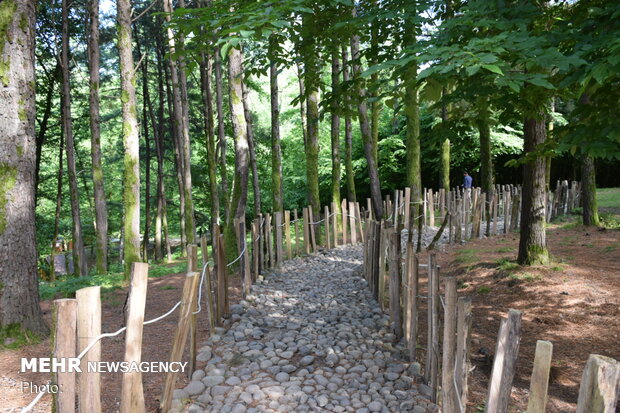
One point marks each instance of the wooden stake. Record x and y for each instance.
(463, 338)
(279, 249)
(64, 314)
(506, 352)
(412, 301)
(335, 211)
(312, 227)
(132, 393)
(180, 334)
(352, 223)
(358, 215)
(192, 266)
(327, 234)
(448, 392)
(598, 391)
(287, 231)
(306, 231)
(89, 327)
(344, 221)
(297, 244)
(539, 382)
(395, 265)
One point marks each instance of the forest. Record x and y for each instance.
(129, 129)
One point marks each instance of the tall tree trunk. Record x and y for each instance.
(532, 237)
(242, 152)
(335, 131)
(19, 287)
(158, 131)
(248, 120)
(207, 103)
(43, 127)
(172, 110)
(311, 83)
(146, 103)
(79, 257)
(588, 182)
(131, 176)
(276, 150)
(444, 181)
(221, 136)
(179, 91)
(588, 191)
(101, 210)
(375, 104)
(548, 158)
(302, 103)
(190, 220)
(58, 205)
(486, 162)
(373, 172)
(348, 132)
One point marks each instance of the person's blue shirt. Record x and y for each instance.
(467, 181)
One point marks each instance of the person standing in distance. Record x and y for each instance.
(467, 180)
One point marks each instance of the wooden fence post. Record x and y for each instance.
(270, 247)
(297, 244)
(395, 266)
(432, 350)
(336, 212)
(328, 242)
(344, 221)
(352, 223)
(192, 266)
(222, 281)
(261, 244)
(448, 391)
(506, 351)
(287, 231)
(407, 209)
(306, 231)
(381, 262)
(598, 392)
(412, 301)
(246, 280)
(132, 393)
(278, 225)
(180, 334)
(64, 312)
(376, 253)
(463, 336)
(358, 214)
(89, 327)
(313, 229)
(539, 383)
(255, 264)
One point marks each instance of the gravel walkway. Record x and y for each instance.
(310, 338)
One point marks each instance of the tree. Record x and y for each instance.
(251, 148)
(79, 256)
(19, 288)
(369, 150)
(311, 84)
(101, 210)
(131, 174)
(276, 150)
(242, 151)
(335, 130)
(348, 133)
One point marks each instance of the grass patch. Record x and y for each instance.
(13, 337)
(168, 287)
(557, 268)
(608, 197)
(467, 256)
(609, 220)
(502, 250)
(66, 286)
(611, 248)
(506, 265)
(484, 289)
(525, 276)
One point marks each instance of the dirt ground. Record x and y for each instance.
(574, 303)
(162, 294)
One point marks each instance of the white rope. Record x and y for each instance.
(239, 257)
(35, 401)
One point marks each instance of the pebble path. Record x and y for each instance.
(309, 338)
